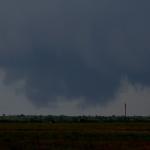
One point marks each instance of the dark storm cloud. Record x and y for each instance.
(74, 49)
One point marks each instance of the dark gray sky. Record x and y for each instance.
(74, 57)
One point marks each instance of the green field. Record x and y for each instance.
(74, 136)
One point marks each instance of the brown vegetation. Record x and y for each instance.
(75, 136)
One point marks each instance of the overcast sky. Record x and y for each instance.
(74, 57)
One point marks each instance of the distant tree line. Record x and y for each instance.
(71, 119)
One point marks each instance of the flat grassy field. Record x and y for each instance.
(75, 136)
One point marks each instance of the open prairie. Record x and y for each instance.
(75, 136)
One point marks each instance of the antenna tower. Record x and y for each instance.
(125, 109)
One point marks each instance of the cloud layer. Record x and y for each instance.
(74, 49)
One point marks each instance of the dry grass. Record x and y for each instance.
(75, 136)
